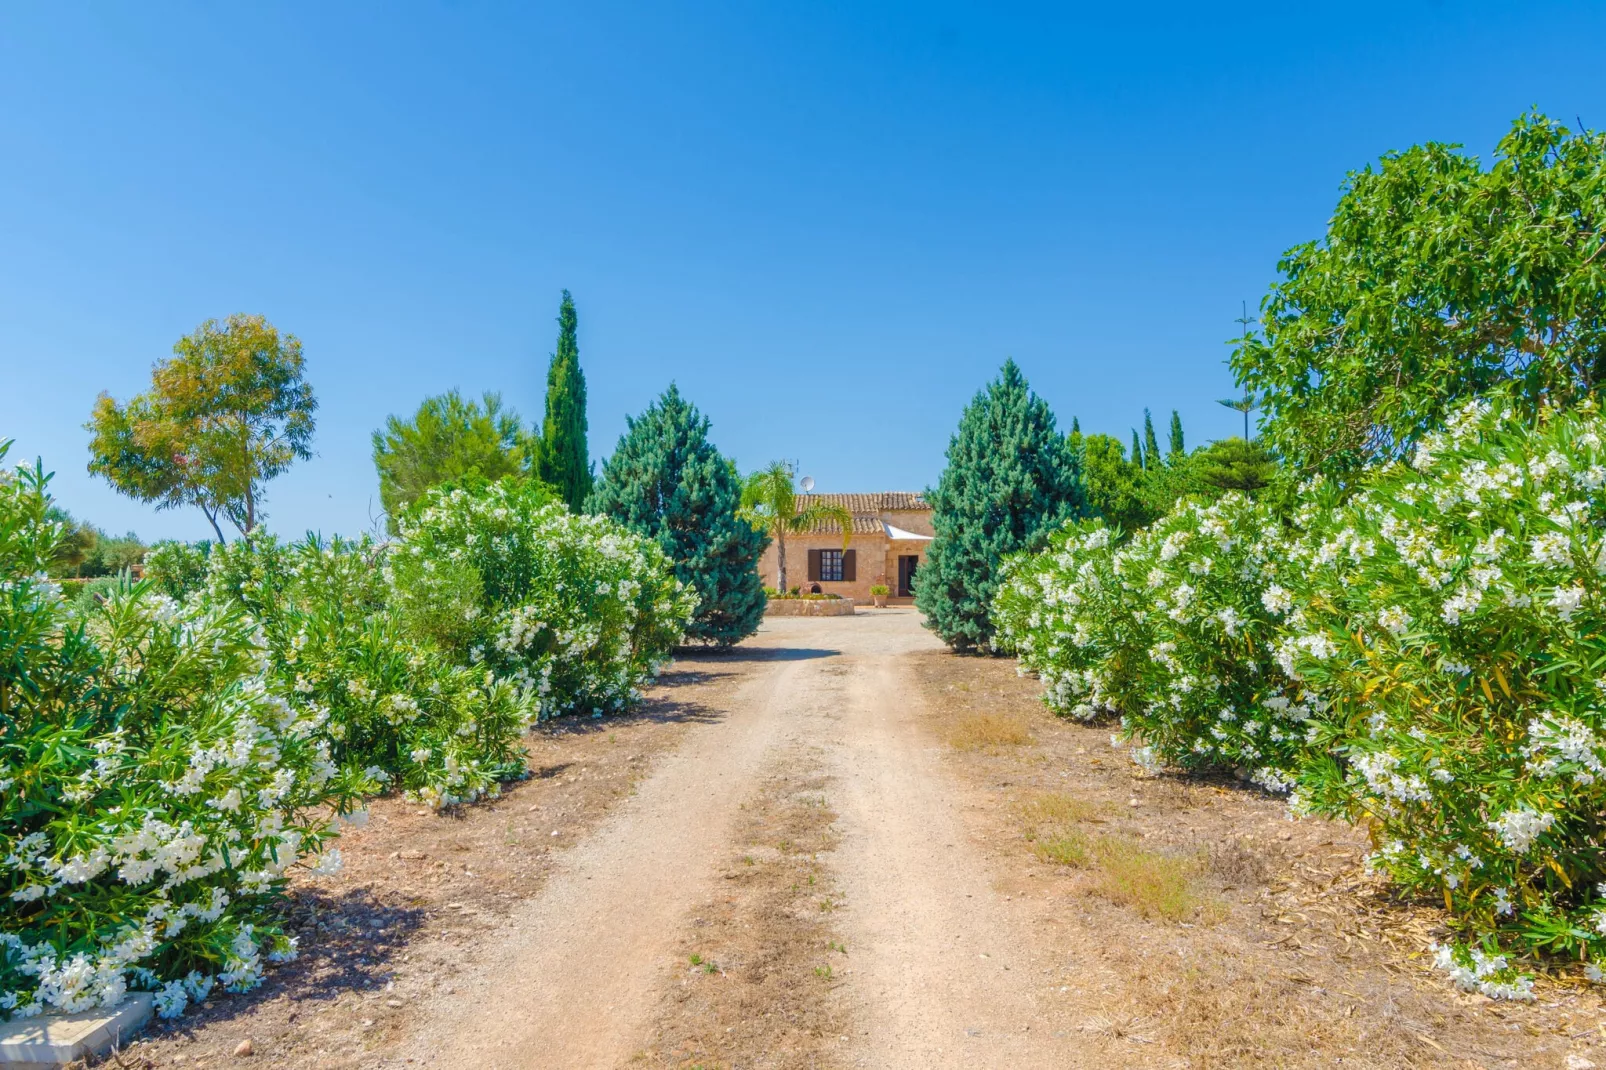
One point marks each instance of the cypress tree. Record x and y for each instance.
(666, 481)
(1151, 444)
(1137, 450)
(1076, 426)
(564, 462)
(1011, 478)
(1176, 451)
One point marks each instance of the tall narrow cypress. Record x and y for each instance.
(1137, 450)
(1151, 444)
(1176, 451)
(1011, 478)
(565, 464)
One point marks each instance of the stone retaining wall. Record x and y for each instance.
(808, 607)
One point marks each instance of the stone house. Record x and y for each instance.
(888, 541)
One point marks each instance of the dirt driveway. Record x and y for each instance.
(838, 846)
(940, 978)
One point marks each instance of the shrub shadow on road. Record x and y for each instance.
(350, 941)
(712, 656)
(662, 706)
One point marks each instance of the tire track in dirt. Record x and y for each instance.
(576, 968)
(943, 970)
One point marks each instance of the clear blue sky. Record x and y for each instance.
(829, 223)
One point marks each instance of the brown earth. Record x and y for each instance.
(1278, 950)
(840, 846)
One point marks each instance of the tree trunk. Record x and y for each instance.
(780, 558)
(211, 515)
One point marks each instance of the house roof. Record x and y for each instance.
(866, 509)
(885, 502)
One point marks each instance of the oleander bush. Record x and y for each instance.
(1170, 631)
(1452, 619)
(576, 610)
(443, 732)
(178, 569)
(1422, 656)
(1076, 623)
(1214, 696)
(155, 786)
(432, 653)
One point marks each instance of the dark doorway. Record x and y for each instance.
(907, 563)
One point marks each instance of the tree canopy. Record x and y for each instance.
(564, 462)
(1011, 478)
(446, 441)
(1438, 279)
(1234, 464)
(228, 412)
(86, 551)
(666, 481)
(1114, 484)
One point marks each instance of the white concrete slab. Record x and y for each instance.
(53, 1040)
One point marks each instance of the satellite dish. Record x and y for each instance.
(808, 484)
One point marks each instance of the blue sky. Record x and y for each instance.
(829, 223)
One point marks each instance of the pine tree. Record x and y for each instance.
(1176, 450)
(1010, 480)
(1151, 444)
(564, 462)
(1076, 426)
(666, 481)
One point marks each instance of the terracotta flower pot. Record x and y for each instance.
(880, 601)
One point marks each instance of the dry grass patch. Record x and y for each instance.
(1051, 818)
(1063, 849)
(1049, 808)
(1155, 884)
(985, 731)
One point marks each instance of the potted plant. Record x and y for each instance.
(878, 591)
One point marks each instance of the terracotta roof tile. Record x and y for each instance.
(887, 501)
(866, 509)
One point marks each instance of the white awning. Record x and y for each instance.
(898, 533)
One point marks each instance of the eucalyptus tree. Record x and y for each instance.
(230, 410)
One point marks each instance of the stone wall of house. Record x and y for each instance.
(915, 520)
(877, 558)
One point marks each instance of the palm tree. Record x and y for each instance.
(1245, 405)
(770, 504)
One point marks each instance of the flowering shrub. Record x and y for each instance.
(1452, 618)
(443, 732)
(1216, 697)
(154, 787)
(178, 569)
(576, 610)
(1172, 632)
(1077, 623)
